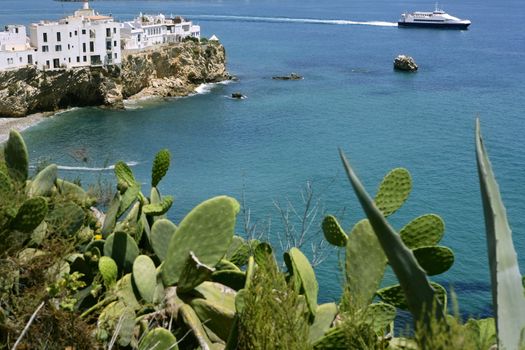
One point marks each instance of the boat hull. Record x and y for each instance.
(433, 25)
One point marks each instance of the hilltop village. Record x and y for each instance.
(87, 38)
(90, 59)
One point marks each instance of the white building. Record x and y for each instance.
(15, 51)
(147, 31)
(84, 39)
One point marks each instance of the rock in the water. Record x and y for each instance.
(238, 95)
(405, 63)
(292, 76)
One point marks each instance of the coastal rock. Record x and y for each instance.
(171, 70)
(292, 76)
(238, 95)
(405, 63)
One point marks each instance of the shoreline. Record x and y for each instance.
(23, 123)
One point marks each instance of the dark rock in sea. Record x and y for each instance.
(238, 95)
(405, 63)
(292, 76)
(170, 70)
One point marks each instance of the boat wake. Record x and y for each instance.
(292, 20)
(83, 168)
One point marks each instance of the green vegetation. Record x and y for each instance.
(132, 279)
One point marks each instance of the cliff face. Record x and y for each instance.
(173, 70)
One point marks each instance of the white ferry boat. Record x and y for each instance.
(436, 19)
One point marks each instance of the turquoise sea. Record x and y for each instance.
(286, 133)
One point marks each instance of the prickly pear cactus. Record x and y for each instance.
(324, 318)
(160, 167)
(122, 248)
(333, 232)
(393, 191)
(395, 296)
(302, 267)
(145, 277)
(193, 274)
(66, 218)
(30, 214)
(159, 339)
(111, 215)
(160, 236)
(206, 231)
(6, 185)
(434, 259)
(108, 269)
(426, 230)
(158, 209)
(234, 279)
(219, 318)
(44, 181)
(16, 157)
(72, 191)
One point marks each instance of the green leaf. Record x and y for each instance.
(16, 157)
(159, 339)
(420, 295)
(160, 167)
(145, 277)
(122, 248)
(395, 296)
(324, 318)
(507, 290)
(193, 274)
(302, 267)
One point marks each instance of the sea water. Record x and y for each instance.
(286, 133)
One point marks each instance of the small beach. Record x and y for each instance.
(20, 124)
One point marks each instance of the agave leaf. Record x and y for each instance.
(507, 291)
(420, 294)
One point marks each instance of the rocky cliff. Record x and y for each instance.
(173, 70)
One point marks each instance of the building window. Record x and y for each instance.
(29, 59)
(108, 45)
(56, 63)
(45, 37)
(115, 30)
(58, 48)
(115, 55)
(20, 59)
(91, 46)
(76, 33)
(70, 34)
(47, 63)
(83, 47)
(69, 59)
(115, 43)
(68, 47)
(9, 61)
(45, 48)
(78, 58)
(83, 31)
(84, 59)
(59, 36)
(108, 32)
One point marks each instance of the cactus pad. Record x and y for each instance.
(233, 279)
(30, 214)
(324, 318)
(217, 293)
(160, 167)
(226, 265)
(145, 277)
(71, 191)
(66, 218)
(238, 251)
(193, 274)
(124, 174)
(219, 317)
(160, 236)
(16, 157)
(395, 296)
(393, 191)
(192, 321)
(111, 215)
(434, 259)
(6, 185)
(158, 209)
(127, 292)
(159, 339)
(207, 231)
(108, 269)
(44, 181)
(122, 248)
(365, 263)
(380, 315)
(333, 232)
(425, 230)
(302, 267)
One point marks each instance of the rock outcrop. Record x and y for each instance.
(172, 70)
(405, 63)
(292, 76)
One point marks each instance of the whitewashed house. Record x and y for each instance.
(84, 39)
(15, 51)
(148, 31)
